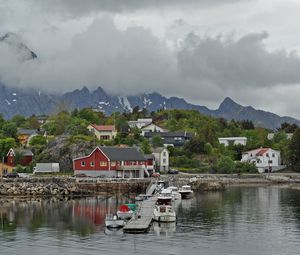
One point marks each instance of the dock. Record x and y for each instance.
(141, 222)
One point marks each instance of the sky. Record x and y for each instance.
(200, 50)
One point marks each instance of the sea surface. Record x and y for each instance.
(240, 220)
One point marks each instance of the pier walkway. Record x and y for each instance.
(143, 218)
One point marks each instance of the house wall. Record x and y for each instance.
(97, 156)
(236, 141)
(152, 128)
(5, 169)
(162, 160)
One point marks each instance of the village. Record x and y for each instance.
(137, 161)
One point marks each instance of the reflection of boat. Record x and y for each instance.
(113, 231)
(186, 204)
(112, 221)
(186, 191)
(164, 228)
(164, 213)
(174, 192)
(126, 211)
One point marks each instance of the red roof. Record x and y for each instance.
(262, 151)
(104, 127)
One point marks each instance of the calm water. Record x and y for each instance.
(255, 220)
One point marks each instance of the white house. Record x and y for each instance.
(139, 123)
(161, 156)
(152, 128)
(265, 159)
(233, 140)
(103, 132)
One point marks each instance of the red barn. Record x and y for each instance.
(112, 162)
(26, 156)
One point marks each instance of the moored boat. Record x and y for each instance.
(164, 213)
(174, 192)
(165, 197)
(124, 212)
(186, 191)
(112, 221)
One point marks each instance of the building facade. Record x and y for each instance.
(115, 162)
(161, 156)
(103, 132)
(265, 159)
(233, 141)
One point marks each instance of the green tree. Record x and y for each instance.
(157, 141)
(145, 146)
(195, 145)
(19, 120)
(38, 140)
(225, 165)
(10, 129)
(6, 144)
(294, 150)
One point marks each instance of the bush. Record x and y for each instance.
(225, 165)
(244, 167)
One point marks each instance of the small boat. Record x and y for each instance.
(186, 191)
(112, 221)
(164, 213)
(126, 211)
(142, 197)
(174, 192)
(165, 197)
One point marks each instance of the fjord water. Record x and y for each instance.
(240, 220)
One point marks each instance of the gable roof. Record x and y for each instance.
(158, 150)
(170, 134)
(24, 152)
(117, 153)
(27, 131)
(103, 127)
(152, 124)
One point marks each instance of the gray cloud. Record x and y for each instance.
(240, 63)
(203, 70)
(86, 7)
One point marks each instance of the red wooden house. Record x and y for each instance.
(112, 162)
(26, 156)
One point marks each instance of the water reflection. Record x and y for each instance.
(240, 220)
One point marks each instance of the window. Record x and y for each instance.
(103, 163)
(273, 155)
(270, 161)
(113, 163)
(267, 154)
(92, 163)
(164, 160)
(164, 153)
(82, 163)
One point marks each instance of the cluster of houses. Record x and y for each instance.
(265, 159)
(128, 162)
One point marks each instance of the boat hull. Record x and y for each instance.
(186, 195)
(125, 215)
(165, 218)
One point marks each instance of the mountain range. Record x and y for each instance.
(27, 101)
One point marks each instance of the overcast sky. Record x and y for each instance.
(202, 50)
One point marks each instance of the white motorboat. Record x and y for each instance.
(164, 213)
(112, 221)
(186, 191)
(174, 192)
(165, 197)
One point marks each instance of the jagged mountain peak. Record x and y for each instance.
(28, 102)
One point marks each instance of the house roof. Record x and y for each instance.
(170, 134)
(232, 138)
(24, 152)
(104, 127)
(27, 132)
(149, 156)
(259, 151)
(152, 124)
(117, 153)
(158, 150)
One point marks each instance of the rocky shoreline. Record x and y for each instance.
(80, 187)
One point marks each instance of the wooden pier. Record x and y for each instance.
(142, 221)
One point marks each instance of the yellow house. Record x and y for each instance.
(103, 132)
(5, 169)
